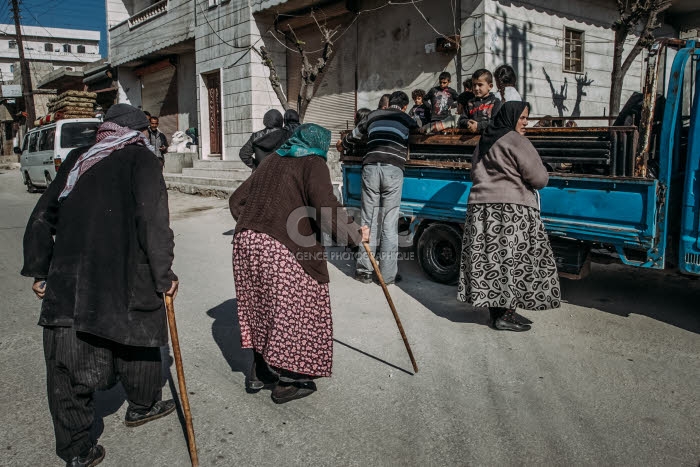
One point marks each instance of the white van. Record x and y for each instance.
(45, 147)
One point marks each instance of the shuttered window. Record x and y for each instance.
(573, 50)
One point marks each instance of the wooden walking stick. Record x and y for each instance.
(391, 305)
(170, 309)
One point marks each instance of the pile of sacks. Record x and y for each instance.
(70, 104)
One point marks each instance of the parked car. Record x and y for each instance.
(45, 147)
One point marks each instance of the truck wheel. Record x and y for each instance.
(28, 181)
(439, 248)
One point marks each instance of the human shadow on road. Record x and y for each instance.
(227, 334)
(440, 299)
(623, 290)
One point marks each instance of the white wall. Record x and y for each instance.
(129, 85)
(530, 37)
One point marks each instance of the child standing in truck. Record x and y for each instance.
(442, 98)
(483, 107)
(420, 110)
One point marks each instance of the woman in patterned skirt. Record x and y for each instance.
(507, 262)
(279, 267)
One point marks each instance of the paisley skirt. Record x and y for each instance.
(506, 259)
(284, 313)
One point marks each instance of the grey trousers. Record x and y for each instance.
(381, 199)
(78, 364)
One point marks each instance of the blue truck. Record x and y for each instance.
(627, 192)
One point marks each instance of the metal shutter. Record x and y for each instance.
(159, 97)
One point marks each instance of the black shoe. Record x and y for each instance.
(261, 376)
(90, 459)
(285, 392)
(508, 322)
(160, 409)
(363, 277)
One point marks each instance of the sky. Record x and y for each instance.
(71, 14)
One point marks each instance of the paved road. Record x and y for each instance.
(609, 379)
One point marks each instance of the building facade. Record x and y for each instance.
(56, 47)
(561, 52)
(152, 51)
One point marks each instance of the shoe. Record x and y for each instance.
(285, 392)
(159, 410)
(261, 376)
(363, 277)
(93, 457)
(508, 322)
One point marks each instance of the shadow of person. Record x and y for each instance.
(227, 334)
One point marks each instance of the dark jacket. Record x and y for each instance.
(481, 110)
(109, 264)
(263, 142)
(158, 139)
(273, 199)
(441, 101)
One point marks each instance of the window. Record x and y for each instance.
(12, 68)
(74, 135)
(12, 44)
(32, 141)
(81, 49)
(47, 138)
(66, 48)
(573, 50)
(48, 47)
(213, 3)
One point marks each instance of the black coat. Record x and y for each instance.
(110, 262)
(260, 144)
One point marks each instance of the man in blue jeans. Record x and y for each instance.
(382, 180)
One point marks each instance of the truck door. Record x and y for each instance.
(689, 248)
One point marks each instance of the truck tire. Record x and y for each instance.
(438, 249)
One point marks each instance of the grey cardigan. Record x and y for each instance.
(508, 173)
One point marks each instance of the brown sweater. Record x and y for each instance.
(508, 173)
(283, 197)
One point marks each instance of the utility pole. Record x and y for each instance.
(27, 90)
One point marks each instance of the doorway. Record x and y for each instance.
(213, 83)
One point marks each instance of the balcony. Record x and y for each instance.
(147, 14)
(159, 29)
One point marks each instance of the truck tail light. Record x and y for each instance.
(56, 162)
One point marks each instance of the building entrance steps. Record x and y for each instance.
(209, 178)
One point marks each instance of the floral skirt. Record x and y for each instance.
(506, 259)
(283, 312)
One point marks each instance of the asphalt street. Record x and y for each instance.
(611, 378)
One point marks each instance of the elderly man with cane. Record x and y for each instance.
(99, 247)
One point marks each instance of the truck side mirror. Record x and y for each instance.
(17, 150)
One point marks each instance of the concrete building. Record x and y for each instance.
(55, 46)
(152, 49)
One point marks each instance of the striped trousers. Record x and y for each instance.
(78, 364)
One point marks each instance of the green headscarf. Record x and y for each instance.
(307, 140)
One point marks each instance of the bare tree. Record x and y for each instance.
(632, 14)
(311, 72)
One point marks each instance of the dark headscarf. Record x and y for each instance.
(291, 119)
(503, 123)
(273, 119)
(307, 140)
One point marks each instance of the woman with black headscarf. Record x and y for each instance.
(263, 142)
(507, 262)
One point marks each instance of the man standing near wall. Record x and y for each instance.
(382, 182)
(157, 139)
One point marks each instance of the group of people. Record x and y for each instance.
(99, 247)
(277, 130)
